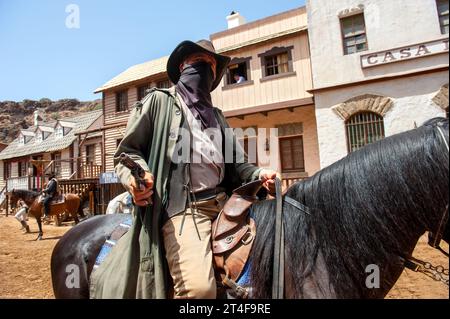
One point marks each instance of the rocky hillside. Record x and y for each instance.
(17, 115)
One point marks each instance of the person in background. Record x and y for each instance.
(49, 192)
(239, 78)
(21, 215)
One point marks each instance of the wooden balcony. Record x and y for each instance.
(25, 182)
(90, 171)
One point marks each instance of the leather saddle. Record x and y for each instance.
(233, 233)
(56, 200)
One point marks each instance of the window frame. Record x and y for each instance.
(347, 123)
(22, 168)
(118, 101)
(142, 90)
(275, 51)
(343, 38)
(90, 158)
(57, 165)
(248, 78)
(291, 138)
(6, 170)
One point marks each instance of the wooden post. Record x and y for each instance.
(7, 205)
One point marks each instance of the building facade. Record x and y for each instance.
(272, 57)
(271, 62)
(120, 94)
(379, 68)
(52, 146)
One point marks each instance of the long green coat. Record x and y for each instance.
(136, 267)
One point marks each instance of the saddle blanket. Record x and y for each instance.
(122, 229)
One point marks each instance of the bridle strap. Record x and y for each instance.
(278, 258)
(297, 205)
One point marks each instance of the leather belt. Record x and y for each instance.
(207, 194)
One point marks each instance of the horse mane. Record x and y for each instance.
(365, 209)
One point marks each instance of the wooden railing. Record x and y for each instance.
(288, 179)
(18, 183)
(90, 171)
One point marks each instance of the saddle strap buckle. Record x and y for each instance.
(239, 291)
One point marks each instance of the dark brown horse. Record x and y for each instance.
(367, 213)
(70, 205)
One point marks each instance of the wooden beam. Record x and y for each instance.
(269, 107)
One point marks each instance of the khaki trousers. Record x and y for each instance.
(189, 258)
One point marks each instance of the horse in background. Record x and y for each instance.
(70, 205)
(370, 208)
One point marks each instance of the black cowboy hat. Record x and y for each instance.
(186, 48)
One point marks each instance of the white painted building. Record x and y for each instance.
(379, 67)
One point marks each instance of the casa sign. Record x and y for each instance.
(404, 53)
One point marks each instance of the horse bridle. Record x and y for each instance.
(438, 273)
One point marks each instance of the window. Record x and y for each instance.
(6, 170)
(442, 7)
(238, 71)
(122, 101)
(291, 154)
(22, 168)
(277, 61)
(56, 158)
(364, 128)
(142, 91)
(164, 84)
(90, 154)
(276, 64)
(354, 34)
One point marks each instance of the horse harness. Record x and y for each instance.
(233, 234)
(437, 273)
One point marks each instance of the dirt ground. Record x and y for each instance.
(25, 264)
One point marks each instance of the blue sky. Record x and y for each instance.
(40, 57)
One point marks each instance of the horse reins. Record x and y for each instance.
(279, 251)
(278, 258)
(438, 273)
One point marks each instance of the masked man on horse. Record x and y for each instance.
(167, 252)
(49, 193)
